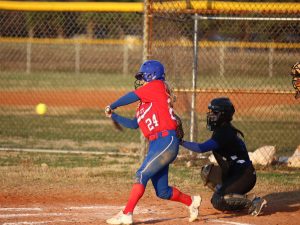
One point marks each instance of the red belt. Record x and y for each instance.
(163, 133)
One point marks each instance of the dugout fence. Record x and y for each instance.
(79, 59)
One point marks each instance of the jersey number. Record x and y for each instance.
(151, 123)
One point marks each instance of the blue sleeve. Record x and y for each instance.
(126, 122)
(206, 146)
(125, 100)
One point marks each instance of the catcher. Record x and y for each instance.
(295, 73)
(235, 175)
(157, 121)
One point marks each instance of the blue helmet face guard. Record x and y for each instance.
(151, 70)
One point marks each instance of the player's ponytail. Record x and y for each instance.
(170, 92)
(238, 131)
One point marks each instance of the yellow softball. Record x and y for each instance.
(41, 108)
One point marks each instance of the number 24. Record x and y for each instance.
(151, 123)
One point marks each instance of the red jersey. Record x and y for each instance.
(155, 113)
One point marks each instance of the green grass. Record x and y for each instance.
(64, 81)
(88, 129)
(82, 129)
(60, 160)
(17, 168)
(280, 131)
(212, 81)
(285, 178)
(98, 81)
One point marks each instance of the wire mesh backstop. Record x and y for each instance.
(78, 59)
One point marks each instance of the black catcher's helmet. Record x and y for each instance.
(295, 73)
(221, 111)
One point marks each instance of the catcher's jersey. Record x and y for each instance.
(154, 114)
(231, 148)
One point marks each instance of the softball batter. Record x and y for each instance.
(235, 176)
(156, 119)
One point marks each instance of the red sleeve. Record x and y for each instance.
(151, 91)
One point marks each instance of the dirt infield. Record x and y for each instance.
(48, 206)
(55, 204)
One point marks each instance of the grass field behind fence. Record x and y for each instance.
(88, 129)
(96, 81)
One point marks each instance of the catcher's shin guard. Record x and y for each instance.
(230, 202)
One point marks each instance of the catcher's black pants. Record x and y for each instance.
(239, 180)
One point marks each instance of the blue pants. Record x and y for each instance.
(155, 166)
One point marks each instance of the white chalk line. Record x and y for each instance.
(6, 216)
(226, 222)
(20, 209)
(41, 222)
(137, 210)
(90, 207)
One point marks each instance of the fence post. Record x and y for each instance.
(271, 57)
(146, 54)
(222, 60)
(28, 51)
(125, 56)
(77, 57)
(194, 79)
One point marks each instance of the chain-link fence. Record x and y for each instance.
(75, 62)
(78, 61)
(240, 50)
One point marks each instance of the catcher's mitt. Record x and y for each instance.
(179, 128)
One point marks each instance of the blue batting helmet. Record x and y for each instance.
(151, 70)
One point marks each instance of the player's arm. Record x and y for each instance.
(126, 122)
(206, 146)
(125, 100)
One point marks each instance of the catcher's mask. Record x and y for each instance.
(220, 111)
(149, 70)
(295, 73)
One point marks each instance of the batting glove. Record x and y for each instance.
(108, 111)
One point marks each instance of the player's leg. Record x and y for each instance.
(136, 193)
(164, 191)
(231, 195)
(126, 216)
(161, 152)
(240, 182)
